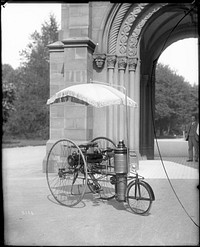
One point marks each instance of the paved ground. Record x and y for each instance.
(180, 160)
(32, 217)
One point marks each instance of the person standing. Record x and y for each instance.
(193, 139)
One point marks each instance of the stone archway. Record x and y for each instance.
(134, 35)
(160, 32)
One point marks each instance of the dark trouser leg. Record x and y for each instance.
(196, 150)
(190, 148)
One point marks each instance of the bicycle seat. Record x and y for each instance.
(88, 145)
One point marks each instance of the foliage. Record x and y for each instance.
(175, 101)
(8, 91)
(31, 118)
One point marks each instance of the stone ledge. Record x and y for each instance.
(79, 42)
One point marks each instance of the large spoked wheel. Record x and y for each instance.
(139, 197)
(66, 172)
(103, 180)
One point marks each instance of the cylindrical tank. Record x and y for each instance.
(121, 185)
(120, 158)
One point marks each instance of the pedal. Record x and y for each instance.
(96, 196)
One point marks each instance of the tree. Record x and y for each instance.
(8, 91)
(175, 101)
(32, 114)
(7, 101)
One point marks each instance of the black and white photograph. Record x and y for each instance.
(100, 123)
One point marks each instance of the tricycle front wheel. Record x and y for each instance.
(139, 197)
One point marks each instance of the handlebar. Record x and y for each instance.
(107, 150)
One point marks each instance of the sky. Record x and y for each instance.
(182, 57)
(19, 21)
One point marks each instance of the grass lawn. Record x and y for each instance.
(10, 143)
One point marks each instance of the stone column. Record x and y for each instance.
(111, 61)
(137, 110)
(56, 121)
(144, 113)
(134, 80)
(122, 62)
(134, 112)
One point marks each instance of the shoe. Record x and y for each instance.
(189, 160)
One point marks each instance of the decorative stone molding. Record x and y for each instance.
(127, 41)
(111, 61)
(122, 62)
(114, 31)
(126, 27)
(99, 60)
(132, 63)
(133, 40)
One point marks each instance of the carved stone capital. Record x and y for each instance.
(111, 60)
(99, 60)
(122, 62)
(132, 63)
